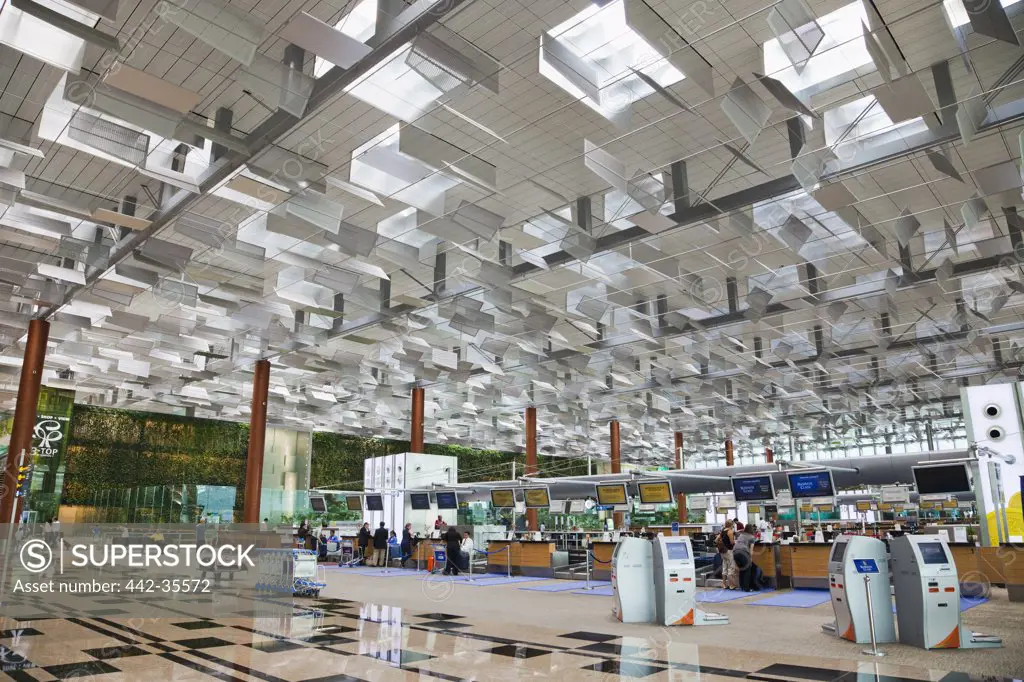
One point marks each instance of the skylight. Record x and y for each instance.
(395, 88)
(360, 24)
(957, 14)
(841, 56)
(601, 38)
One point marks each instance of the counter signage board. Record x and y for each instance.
(950, 504)
(863, 506)
(865, 565)
(895, 493)
(726, 501)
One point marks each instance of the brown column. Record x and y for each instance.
(728, 453)
(681, 514)
(24, 415)
(613, 427)
(257, 438)
(531, 460)
(769, 456)
(416, 436)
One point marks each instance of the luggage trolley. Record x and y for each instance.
(289, 570)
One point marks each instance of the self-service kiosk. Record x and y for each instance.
(853, 558)
(631, 581)
(675, 584)
(928, 595)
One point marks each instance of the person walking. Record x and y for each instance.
(453, 547)
(380, 545)
(363, 541)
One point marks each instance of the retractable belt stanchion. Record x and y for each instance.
(588, 571)
(387, 558)
(873, 651)
(508, 560)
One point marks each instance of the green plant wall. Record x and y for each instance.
(113, 448)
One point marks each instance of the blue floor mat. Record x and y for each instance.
(719, 596)
(565, 586)
(605, 591)
(796, 599)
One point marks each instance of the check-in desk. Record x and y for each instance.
(601, 564)
(804, 565)
(524, 557)
(766, 556)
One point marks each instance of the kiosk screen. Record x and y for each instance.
(838, 551)
(676, 551)
(932, 553)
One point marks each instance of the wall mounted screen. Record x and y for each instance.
(374, 503)
(447, 500)
(318, 504)
(419, 501)
(942, 479)
(353, 503)
(657, 492)
(753, 488)
(611, 493)
(811, 484)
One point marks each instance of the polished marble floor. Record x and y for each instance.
(341, 640)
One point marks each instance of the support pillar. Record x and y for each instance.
(682, 515)
(613, 427)
(416, 436)
(531, 460)
(24, 415)
(257, 438)
(728, 453)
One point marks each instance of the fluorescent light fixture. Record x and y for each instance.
(957, 15)
(600, 38)
(841, 56)
(360, 24)
(226, 28)
(395, 88)
(47, 43)
(863, 122)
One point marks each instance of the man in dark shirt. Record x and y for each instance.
(363, 541)
(380, 545)
(453, 542)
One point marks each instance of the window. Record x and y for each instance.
(957, 15)
(360, 24)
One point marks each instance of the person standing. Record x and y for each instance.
(363, 541)
(380, 545)
(406, 545)
(453, 542)
(726, 542)
(744, 557)
(467, 548)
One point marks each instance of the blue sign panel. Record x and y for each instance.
(675, 526)
(865, 565)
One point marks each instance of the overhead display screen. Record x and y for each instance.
(447, 500)
(318, 504)
(611, 493)
(811, 484)
(503, 499)
(536, 498)
(353, 503)
(659, 492)
(753, 488)
(944, 479)
(419, 501)
(374, 503)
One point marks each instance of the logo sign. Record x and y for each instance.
(865, 565)
(47, 432)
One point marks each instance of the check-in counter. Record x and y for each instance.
(965, 556)
(601, 564)
(524, 557)
(766, 557)
(804, 565)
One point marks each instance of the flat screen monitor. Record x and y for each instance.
(503, 499)
(811, 484)
(419, 501)
(838, 551)
(753, 488)
(611, 493)
(676, 551)
(447, 500)
(655, 492)
(942, 479)
(318, 504)
(537, 498)
(374, 503)
(353, 503)
(932, 553)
